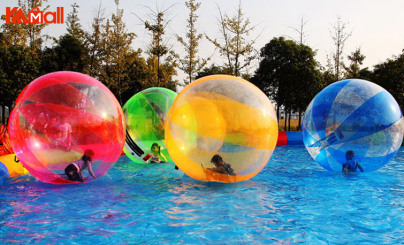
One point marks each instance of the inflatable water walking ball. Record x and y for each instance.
(353, 115)
(4, 174)
(60, 116)
(13, 165)
(221, 119)
(145, 114)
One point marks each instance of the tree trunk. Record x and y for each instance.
(158, 71)
(277, 113)
(290, 115)
(299, 126)
(120, 95)
(286, 116)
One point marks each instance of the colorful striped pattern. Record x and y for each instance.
(353, 115)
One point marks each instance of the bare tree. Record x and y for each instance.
(339, 35)
(235, 47)
(300, 31)
(94, 42)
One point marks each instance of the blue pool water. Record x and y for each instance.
(293, 200)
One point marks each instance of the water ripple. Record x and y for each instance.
(292, 200)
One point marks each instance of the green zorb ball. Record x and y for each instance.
(145, 114)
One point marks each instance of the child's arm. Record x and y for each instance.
(164, 158)
(90, 169)
(359, 166)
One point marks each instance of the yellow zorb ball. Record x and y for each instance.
(221, 128)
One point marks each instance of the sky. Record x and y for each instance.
(376, 26)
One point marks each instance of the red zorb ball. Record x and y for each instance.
(67, 127)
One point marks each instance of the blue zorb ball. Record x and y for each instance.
(353, 115)
(4, 174)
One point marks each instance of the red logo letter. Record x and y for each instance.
(53, 14)
(9, 14)
(19, 17)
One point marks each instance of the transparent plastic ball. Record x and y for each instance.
(353, 122)
(221, 128)
(145, 115)
(62, 118)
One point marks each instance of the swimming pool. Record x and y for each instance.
(293, 200)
